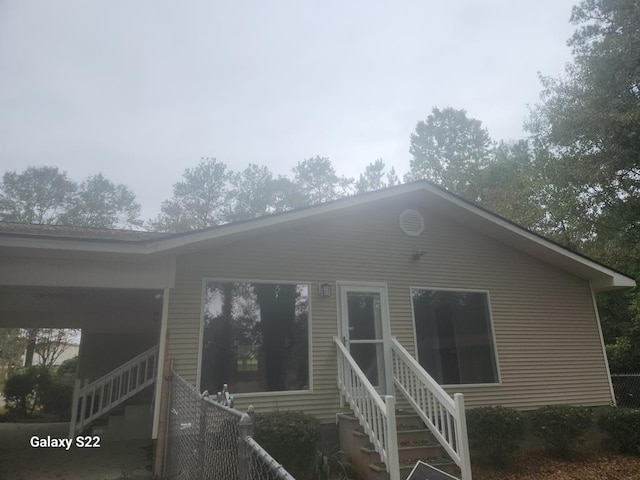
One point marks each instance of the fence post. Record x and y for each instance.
(245, 429)
(164, 420)
(202, 421)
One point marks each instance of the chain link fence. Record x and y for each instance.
(210, 441)
(627, 389)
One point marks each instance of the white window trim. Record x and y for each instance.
(491, 326)
(309, 284)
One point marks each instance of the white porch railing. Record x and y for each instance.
(377, 417)
(92, 400)
(444, 416)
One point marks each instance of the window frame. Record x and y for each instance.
(496, 357)
(309, 285)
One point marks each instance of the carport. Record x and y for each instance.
(103, 282)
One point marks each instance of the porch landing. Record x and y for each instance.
(112, 461)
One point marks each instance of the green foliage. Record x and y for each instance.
(317, 180)
(621, 356)
(511, 184)
(56, 397)
(495, 433)
(561, 427)
(100, 203)
(211, 194)
(12, 345)
(451, 150)
(45, 195)
(330, 466)
(622, 427)
(36, 389)
(586, 129)
(255, 192)
(23, 390)
(292, 438)
(67, 369)
(199, 200)
(37, 195)
(374, 178)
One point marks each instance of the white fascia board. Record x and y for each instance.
(75, 245)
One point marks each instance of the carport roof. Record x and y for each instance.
(67, 231)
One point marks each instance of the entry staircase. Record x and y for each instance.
(388, 438)
(93, 400)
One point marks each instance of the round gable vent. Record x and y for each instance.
(411, 222)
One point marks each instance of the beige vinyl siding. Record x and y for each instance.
(548, 343)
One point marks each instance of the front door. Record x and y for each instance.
(365, 329)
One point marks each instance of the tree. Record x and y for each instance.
(12, 345)
(451, 150)
(589, 124)
(100, 203)
(511, 185)
(374, 178)
(590, 119)
(44, 195)
(38, 195)
(51, 343)
(317, 180)
(200, 200)
(254, 192)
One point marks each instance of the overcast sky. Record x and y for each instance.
(141, 89)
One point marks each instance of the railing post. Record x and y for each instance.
(393, 462)
(83, 404)
(74, 409)
(462, 439)
(245, 429)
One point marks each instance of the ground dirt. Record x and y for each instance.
(594, 465)
(20, 461)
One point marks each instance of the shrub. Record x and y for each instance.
(292, 438)
(622, 427)
(23, 390)
(57, 397)
(495, 433)
(561, 427)
(67, 369)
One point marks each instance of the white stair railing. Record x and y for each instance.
(377, 417)
(92, 400)
(445, 416)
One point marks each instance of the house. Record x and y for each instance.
(68, 350)
(282, 307)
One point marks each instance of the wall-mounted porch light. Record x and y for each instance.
(325, 290)
(416, 254)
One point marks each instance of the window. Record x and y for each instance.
(454, 337)
(255, 337)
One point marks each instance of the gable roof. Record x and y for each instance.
(152, 244)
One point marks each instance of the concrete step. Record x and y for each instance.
(415, 442)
